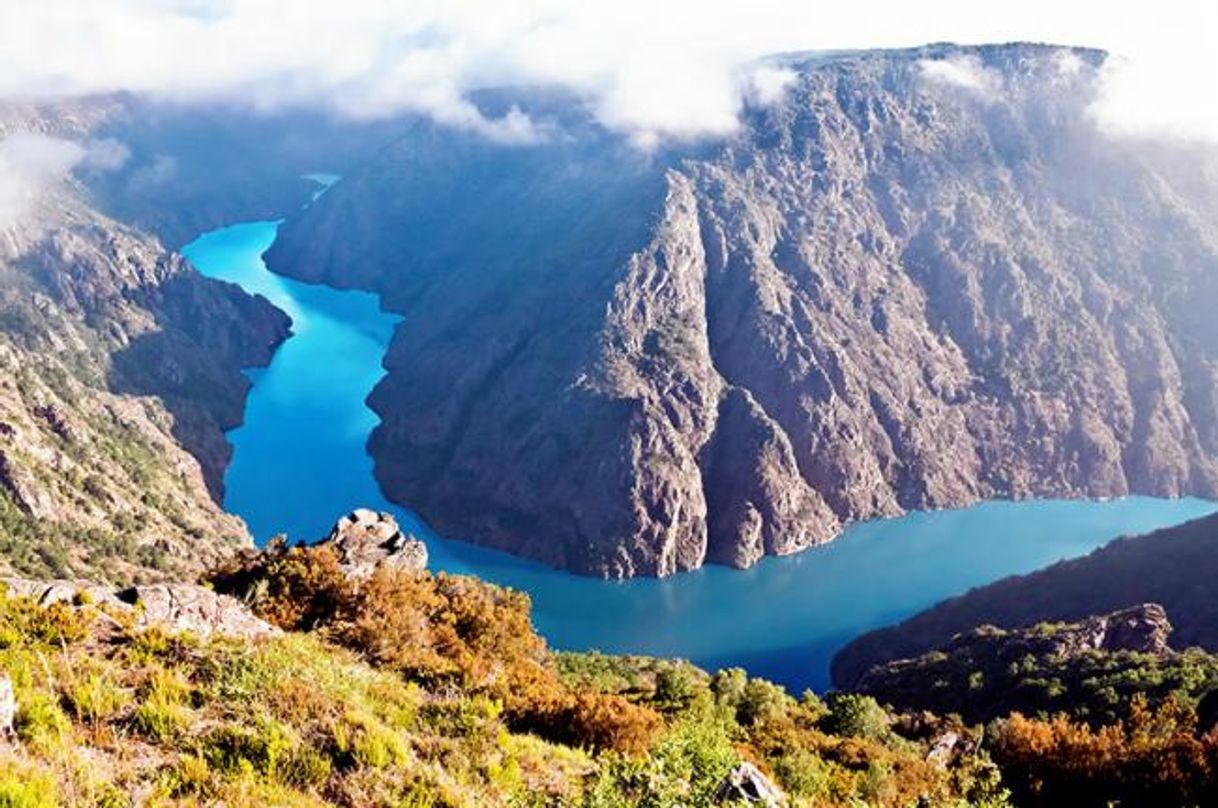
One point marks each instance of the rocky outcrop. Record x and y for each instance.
(888, 291)
(365, 540)
(1141, 629)
(746, 785)
(196, 609)
(176, 607)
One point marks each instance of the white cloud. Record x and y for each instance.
(652, 69)
(163, 168)
(28, 164)
(767, 84)
(105, 154)
(962, 72)
(32, 163)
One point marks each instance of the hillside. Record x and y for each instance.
(1176, 567)
(121, 369)
(377, 684)
(892, 289)
(407, 689)
(1091, 669)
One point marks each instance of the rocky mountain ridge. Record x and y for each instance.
(891, 290)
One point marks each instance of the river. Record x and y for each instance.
(300, 462)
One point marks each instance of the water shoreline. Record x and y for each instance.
(300, 460)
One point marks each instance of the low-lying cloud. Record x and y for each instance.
(651, 69)
(966, 73)
(32, 163)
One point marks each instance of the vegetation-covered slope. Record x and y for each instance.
(408, 689)
(1092, 670)
(404, 688)
(120, 370)
(1097, 712)
(1176, 567)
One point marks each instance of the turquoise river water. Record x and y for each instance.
(300, 462)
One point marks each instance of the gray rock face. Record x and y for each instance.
(365, 540)
(887, 292)
(176, 607)
(197, 609)
(1143, 629)
(745, 784)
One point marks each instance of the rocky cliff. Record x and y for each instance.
(917, 280)
(120, 368)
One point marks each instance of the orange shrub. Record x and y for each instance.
(446, 632)
(1150, 758)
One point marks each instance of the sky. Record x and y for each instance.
(651, 68)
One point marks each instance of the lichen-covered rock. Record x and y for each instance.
(45, 593)
(175, 606)
(745, 784)
(193, 608)
(365, 540)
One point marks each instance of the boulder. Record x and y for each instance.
(949, 745)
(193, 608)
(365, 539)
(175, 607)
(1143, 628)
(746, 784)
(59, 590)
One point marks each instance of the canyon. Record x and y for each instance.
(889, 291)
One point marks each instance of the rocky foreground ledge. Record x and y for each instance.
(363, 540)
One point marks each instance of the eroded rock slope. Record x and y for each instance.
(901, 286)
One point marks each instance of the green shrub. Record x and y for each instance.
(676, 686)
(163, 715)
(39, 721)
(26, 789)
(856, 716)
(95, 698)
(233, 749)
(762, 701)
(364, 741)
(304, 767)
(684, 768)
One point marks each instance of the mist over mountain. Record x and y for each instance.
(914, 279)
